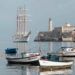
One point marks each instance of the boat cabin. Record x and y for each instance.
(50, 57)
(11, 51)
(67, 49)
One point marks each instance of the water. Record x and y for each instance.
(6, 69)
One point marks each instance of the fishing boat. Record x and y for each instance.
(22, 35)
(22, 58)
(67, 52)
(12, 54)
(35, 59)
(52, 61)
(55, 64)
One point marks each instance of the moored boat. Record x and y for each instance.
(24, 58)
(67, 52)
(53, 62)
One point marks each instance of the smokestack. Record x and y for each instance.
(50, 25)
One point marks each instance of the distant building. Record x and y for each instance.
(55, 35)
(44, 36)
(63, 33)
(67, 30)
(58, 33)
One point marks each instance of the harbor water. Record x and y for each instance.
(43, 48)
(37, 16)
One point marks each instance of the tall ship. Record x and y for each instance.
(22, 35)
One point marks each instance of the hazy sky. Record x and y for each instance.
(60, 11)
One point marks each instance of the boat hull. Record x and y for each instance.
(24, 39)
(67, 54)
(24, 60)
(54, 64)
(36, 63)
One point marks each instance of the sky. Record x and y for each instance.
(60, 11)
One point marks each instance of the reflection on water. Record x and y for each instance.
(57, 72)
(24, 69)
(35, 70)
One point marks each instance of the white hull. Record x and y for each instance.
(24, 39)
(22, 59)
(45, 63)
(69, 54)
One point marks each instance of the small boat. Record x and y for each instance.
(47, 63)
(67, 52)
(52, 61)
(23, 58)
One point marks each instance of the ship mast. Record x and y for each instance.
(22, 33)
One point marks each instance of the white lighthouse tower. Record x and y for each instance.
(50, 25)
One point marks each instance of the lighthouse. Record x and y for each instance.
(50, 25)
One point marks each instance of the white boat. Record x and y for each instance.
(24, 58)
(67, 52)
(53, 62)
(47, 63)
(22, 33)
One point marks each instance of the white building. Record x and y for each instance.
(67, 32)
